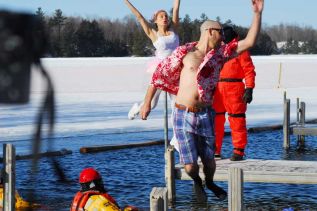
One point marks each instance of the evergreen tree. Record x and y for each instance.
(41, 30)
(264, 45)
(203, 17)
(141, 44)
(56, 23)
(291, 47)
(70, 48)
(40, 15)
(309, 47)
(118, 48)
(185, 31)
(90, 41)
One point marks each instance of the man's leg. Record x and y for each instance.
(209, 171)
(187, 149)
(189, 159)
(193, 171)
(206, 148)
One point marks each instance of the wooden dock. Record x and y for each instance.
(266, 171)
(238, 172)
(300, 128)
(307, 130)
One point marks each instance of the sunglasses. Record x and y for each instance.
(220, 31)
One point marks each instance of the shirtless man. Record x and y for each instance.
(191, 72)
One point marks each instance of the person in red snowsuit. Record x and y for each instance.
(232, 96)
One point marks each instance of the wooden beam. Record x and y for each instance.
(235, 186)
(266, 171)
(9, 177)
(61, 152)
(306, 131)
(286, 124)
(102, 148)
(158, 199)
(170, 175)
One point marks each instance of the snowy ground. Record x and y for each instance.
(107, 87)
(126, 80)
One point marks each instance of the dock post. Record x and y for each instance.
(8, 177)
(158, 199)
(297, 117)
(302, 120)
(297, 110)
(170, 175)
(165, 121)
(286, 124)
(235, 186)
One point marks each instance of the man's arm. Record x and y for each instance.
(146, 107)
(254, 30)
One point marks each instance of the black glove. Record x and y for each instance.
(247, 96)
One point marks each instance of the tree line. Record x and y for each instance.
(295, 39)
(79, 37)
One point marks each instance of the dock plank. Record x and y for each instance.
(308, 130)
(267, 171)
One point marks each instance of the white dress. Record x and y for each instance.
(164, 46)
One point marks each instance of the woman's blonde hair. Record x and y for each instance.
(156, 14)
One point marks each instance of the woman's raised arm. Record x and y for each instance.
(144, 23)
(175, 19)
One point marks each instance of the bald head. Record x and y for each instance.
(209, 24)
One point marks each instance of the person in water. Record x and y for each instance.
(165, 39)
(93, 195)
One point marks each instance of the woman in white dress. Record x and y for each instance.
(165, 39)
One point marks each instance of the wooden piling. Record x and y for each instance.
(302, 113)
(286, 124)
(297, 117)
(170, 175)
(235, 186)
(9, 177)
(158, 199)
(166, 142)
(302, 119)
(297, 110)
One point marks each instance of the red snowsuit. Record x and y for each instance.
(228, 98)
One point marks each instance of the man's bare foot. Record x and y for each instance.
(200, 193)
(218, 191)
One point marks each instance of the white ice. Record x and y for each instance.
(107, 85)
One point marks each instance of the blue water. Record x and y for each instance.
(130, 174)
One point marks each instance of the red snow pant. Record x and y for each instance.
(228, 98)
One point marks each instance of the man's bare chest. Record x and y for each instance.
(192, 61)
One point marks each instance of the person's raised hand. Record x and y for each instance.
(258, 5)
